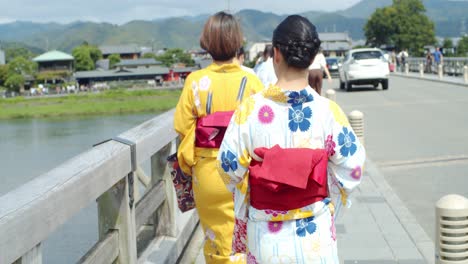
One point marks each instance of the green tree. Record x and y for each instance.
(22, 66)
(448, 47)
(86, 56)
(403, 24)
(172, 56)
(113, 60)
(12, 53)
(83, 61)
(149, 56)
(3, 73)
(448, 43)
(14, 82)
(462, 48)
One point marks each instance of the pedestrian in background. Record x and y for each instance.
(316, 70)
(265, 71)
(429, 60)
(241, 58)
(208, 99)
(438, 57)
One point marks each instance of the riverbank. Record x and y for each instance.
(108, 102)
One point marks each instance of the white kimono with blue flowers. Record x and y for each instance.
(291, 119)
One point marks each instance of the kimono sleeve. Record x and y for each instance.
(346, 154)
(185, 118)
(233, 157)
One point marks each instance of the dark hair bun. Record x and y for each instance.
(297, 40)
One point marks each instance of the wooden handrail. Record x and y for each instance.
(30, 213)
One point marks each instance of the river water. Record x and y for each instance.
(31, 147)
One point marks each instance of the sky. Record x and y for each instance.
(122, 11)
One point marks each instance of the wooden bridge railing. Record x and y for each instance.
(106, 174)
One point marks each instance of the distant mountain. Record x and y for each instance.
(364, 8)
(22, 29)
(184, 32)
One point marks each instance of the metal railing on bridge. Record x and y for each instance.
(450, 66)
(108, 172)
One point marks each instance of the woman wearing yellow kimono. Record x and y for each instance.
(219, 88)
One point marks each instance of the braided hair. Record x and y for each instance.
(297, 40)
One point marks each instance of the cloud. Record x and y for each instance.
(121, 11)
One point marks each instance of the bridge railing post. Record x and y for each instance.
(165, 217)
(451, 225)
(356, 120)
(116, 211)
(465, 73)
(440, 71)
(330, 94)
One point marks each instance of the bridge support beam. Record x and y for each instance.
(164, 218)
(33, 256)
(117, 212)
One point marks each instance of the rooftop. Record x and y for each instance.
(53, 55)
(330, 46)
(334, 36)
(122, 72)
(138, 62)
(120, 49)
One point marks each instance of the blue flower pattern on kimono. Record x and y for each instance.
(228, 161)
(305, 225)
(346, 140)
(298, 118)
(298, 98)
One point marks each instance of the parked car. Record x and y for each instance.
(364, 66)
(332, 66)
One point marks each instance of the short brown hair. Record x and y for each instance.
(221, 36)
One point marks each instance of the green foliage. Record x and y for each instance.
(361, 47)
(108, 102)
(86, 56)
(149, 56)
(113, 59)
(14, 82)
(172, 56)
(17, 51)
(21, 65)
(51, 75)
(403, 24)
(462, 48)
(3, 73)
(448, 43)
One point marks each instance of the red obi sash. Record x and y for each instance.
(288, 179)
(210, 129)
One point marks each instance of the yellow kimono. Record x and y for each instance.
(213, 200)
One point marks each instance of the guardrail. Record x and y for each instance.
(109, 172)
(451, 66)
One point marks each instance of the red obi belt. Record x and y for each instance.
(288, 179)
(210, 129)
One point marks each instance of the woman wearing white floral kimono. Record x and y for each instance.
(287, 153)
